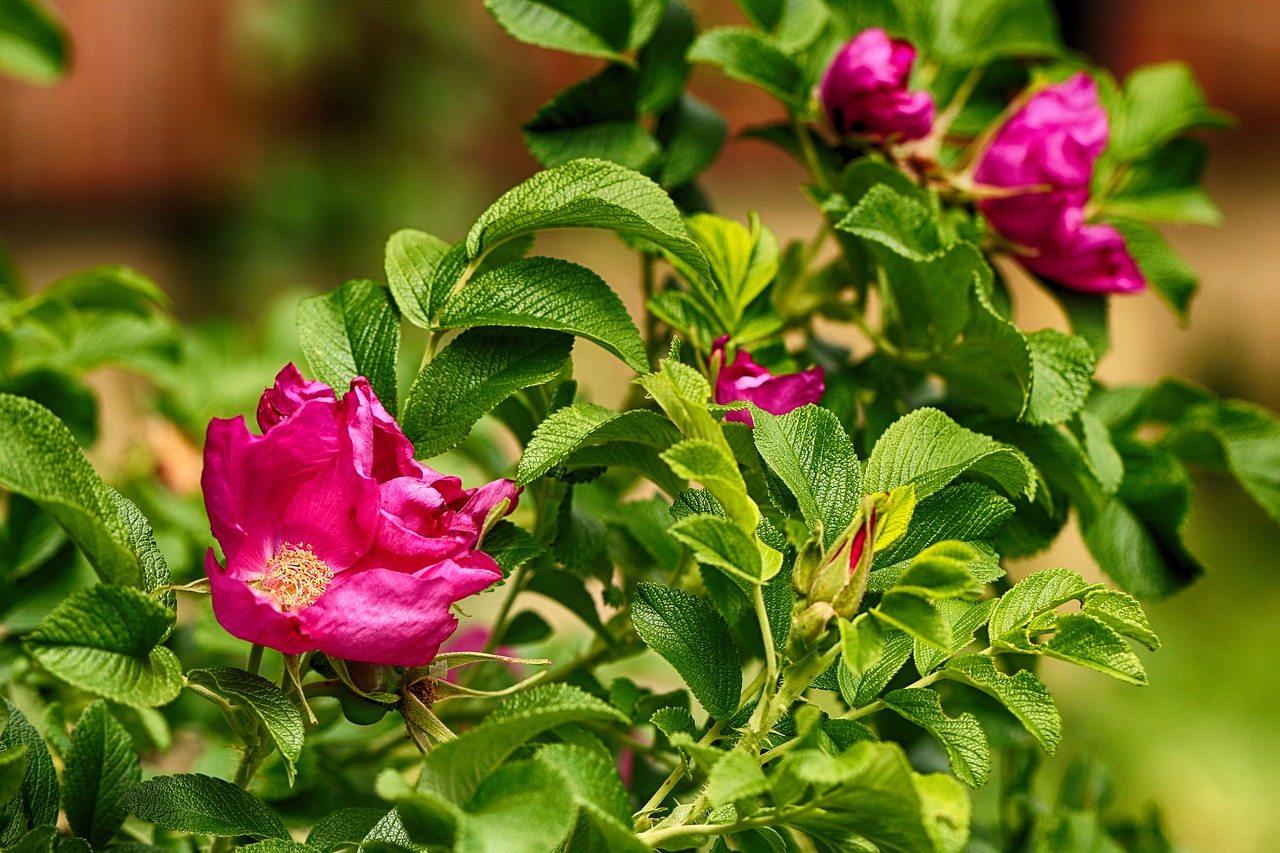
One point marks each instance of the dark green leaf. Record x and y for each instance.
(100, 767)
(962, 737)
(691, 134)
(263, 701)
(344, 827)
(353, 331)
(37, 803)
(604, 28)
(750, 57)
(695, 640)
(595, 118)
(411, 260)
(663, 67)
(569, 428)
(192, 802)
(1022, 693)
(478, 370)
(33, 45)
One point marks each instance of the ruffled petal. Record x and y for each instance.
(288, 395)
(470, 573)
(251, 615)
(382, 616)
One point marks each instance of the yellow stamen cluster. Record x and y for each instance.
(296, 577)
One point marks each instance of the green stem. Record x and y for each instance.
(255, 659)
(819, 173)
(654, 837)
(674, 778)
(499, 624)
(766, 635)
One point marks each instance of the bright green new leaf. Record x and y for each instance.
(587, 194)
(861, 643)
(258, 698)
(411, 260)
(962, 737)
(105, 640)
(193, 802)
(100, 767)
(742, 261)
(571, 427)
(811, 453)
(1022, 693)
(718, 542)
(1123, 613)
(478, 370)
(1083, 639)
(709, 464)
(946, 808)
(33, 44)
(1036, 593)
(928, 448)
(695, 640)
(735, 777)
(943, 570)
(896, 221)
(455, 770)
(967, 512)
(40, 460)
(914, 615)
(353, 331)
(549, 293)
(750, 57)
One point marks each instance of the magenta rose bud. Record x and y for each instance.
(865, 89)
(1049, 148)
(743, 379)
(334, 537)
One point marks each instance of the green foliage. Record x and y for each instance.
(1022, 693)
(412, 258)
(193, 802)
(595, 118)
(36, 803)
(255, 698)
(897, 222)
(567, 429)
(354, 331)
(33, 45)
(105, 640)
(100, 767)
(961, 737)
(605, 28)
(695, 640)
(753, 58)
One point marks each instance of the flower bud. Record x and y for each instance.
(842, 578)
(809, 560)
(865, 89)
(810, 624)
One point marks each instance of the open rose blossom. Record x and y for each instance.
(335, 537)
(1050, 147)
(865, 89)
(743, 379)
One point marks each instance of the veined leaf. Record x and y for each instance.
(967, 512)
(964, 617)
(587, 194)
(1022, 693)
(105, 640)
(928, 448)
(100, 767)
(353, 331)
(709, 464)
(962, 737)
(1083, 639)
(737, 776)
(548, 293)
(896, 221)
(478, 370)
(260, 699)
(1036, 593)
(595, 118)
(598, 793)
(915, 616)
(695, 640)
(193, 802)
(691, 134)
(718, 542)
(1061, 376)
(411, 260)
(750, 57)
(37, 800)
(604, 28)
(571, 427)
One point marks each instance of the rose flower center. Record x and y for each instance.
(296, 577)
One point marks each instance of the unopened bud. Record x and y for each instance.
(808, 563)
(810, 624)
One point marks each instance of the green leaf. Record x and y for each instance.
(718, 542)
(1022, 693)
(943, 570)
(33, 44)
(594, 118)
(694, 639)
(964, 617)
(932, 303)
(918, 618)
(1083, 639)
(742, 261)
(861, 691)
(155, 571)
(897, 222)
(1123, 613)
(1248, 437)
(735, 777)
(37, 802)
(1061, 376)
(711, 465)
(587, 194)
(946, 808)
(691, 134)
(1165, 187)
(974, 32)
(456, 768)
(571, 427)
(42, 839)
(604, 28)
(750, 57)
(641, 458)
(344, 827)
(353, 331)
(105, 640)
(13, 766)
(991, 367)
(478, 370)
(598, 793)
(810, 451)
(549, 293)
(663, 67)
(1034, 594)
(1105, 462)
(1172, 279)
(929, 449)
(264, 702)
(40, 460)
(861, 643)
(1160, 102)
(962, 737)
(100, 767)
(193, 802)
(411, 260)
(523, 807)
(967, 512)
(511, 546)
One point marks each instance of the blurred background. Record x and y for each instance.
(247, 152)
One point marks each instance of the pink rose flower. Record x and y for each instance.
(335, 538)
(743, 379)
(1050, 147)
(865, 89)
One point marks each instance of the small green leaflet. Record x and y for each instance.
(718, 542)
(353, 331)
(411, 260)
(1036, 593)
(896, 221)
(587, 194)
(549, 293)
(258, 698)
(595, 118)
(37, 802)
(695, 640)
(100, 767)
(735, 777)
(750, 57)
(962, 737)
(1022, 693)
(105, 640)
(571, 427)
(1087, 641)
(604, 28)
(1061, 376)
(193, 802)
